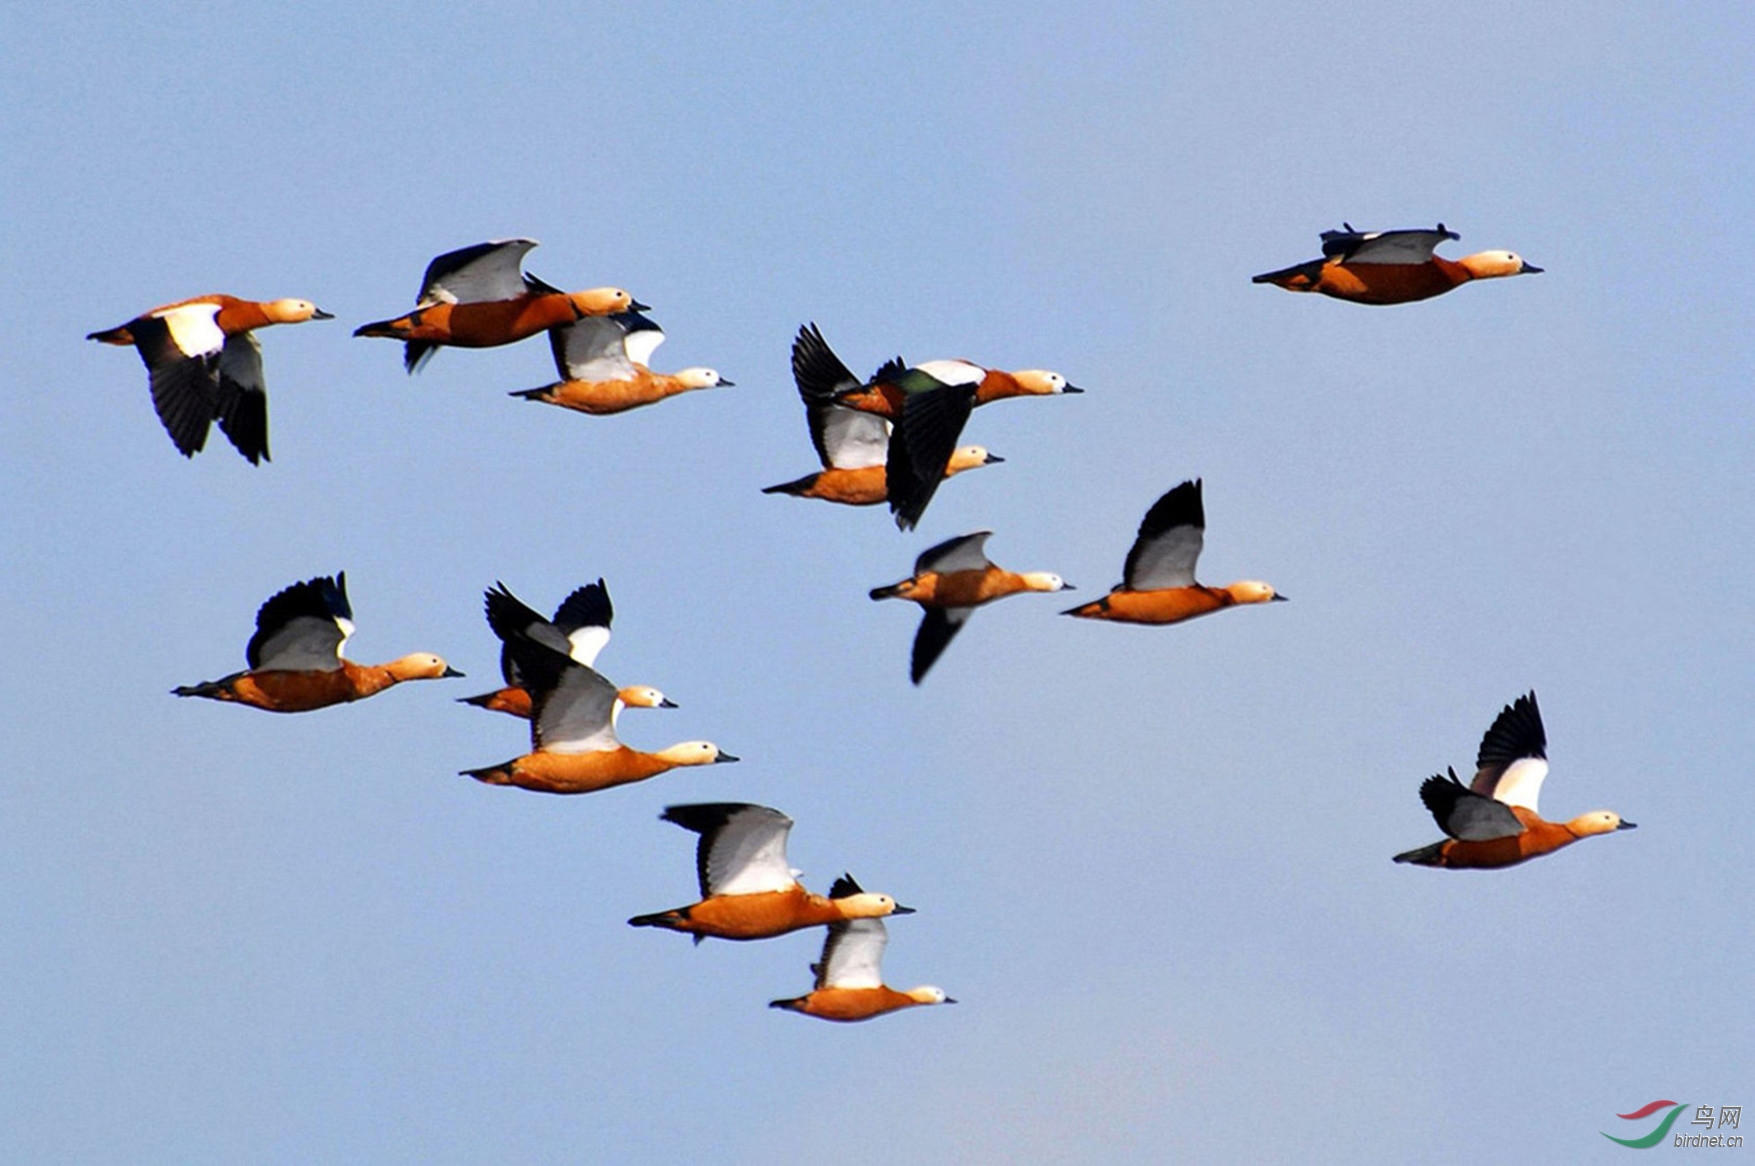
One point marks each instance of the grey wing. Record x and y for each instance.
(1412, 246)
(963, 553)
(479, 274)
(1169, 541)
(242, 409)
(938, 627)
(747, 854)
(1465, 815)
(853, 955)
(592, 349)
(305, 643)
(847, 439)
(576, 715)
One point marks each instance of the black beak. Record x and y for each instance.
(636, 306)
(992, 459)
(320, 314)
(1067, 388)
(1278, 598)
(667, 703)
(901, 910)
(1628, 826)
(1529, 269)
(948, 1000)
(724, 756)
(723, 383)
(449, 671)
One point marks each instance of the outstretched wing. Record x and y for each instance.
(572, 708)
(853, 955)
(303, 627)
(242, 407)
(479, 274)
(1513, 758)
(938, 626)
(1465, 815)
(742, 849)
(1410, 246)
(921, 446)
(1169, 541)
(593, 348)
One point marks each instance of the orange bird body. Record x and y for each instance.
(1391, 267)
(1158, 585)
(1492, 822)
(295, 656)
(748, 889)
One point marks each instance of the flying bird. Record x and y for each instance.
(295, 656)
(204, 364)
(1157, 585)
(748, 889)
(480, 297)
(853, 445)
(949, 582)
(850, 980)
(1492, 821)
(603, 363)
(1391, 267)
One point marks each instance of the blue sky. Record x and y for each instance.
(1152, 864)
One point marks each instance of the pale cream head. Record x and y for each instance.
(601, 301)
(642, 696)
(969, 457)
(1045, 581)
(927, 994)
(420, 666)
(292, 311)
(1039, 381)
(697, 378)
(1493, 264)
(1597, 822)
(1252, 591)
(866, 905)
(694, 753)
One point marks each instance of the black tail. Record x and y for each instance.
(1424, 856)
(794, 488)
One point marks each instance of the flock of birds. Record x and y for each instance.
(891, 438)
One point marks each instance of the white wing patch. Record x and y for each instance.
(855, 440)
(586, 642)
(642, 343)
(853, 956)
(194, 328)
(1521, 783)
(953, 372)
(747, 855)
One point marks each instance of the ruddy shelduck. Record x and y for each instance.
(1492, 821)
(580, 628)
(853, 445)
(1157, 585)
(574, 749)
(295, 656)
(204, 365)
(480, 297)
(850, 979)
(603, 362)
(949, 582)
(1391, 267)
(889, 387)
(748, 889)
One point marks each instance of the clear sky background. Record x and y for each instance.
(1152, 864)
